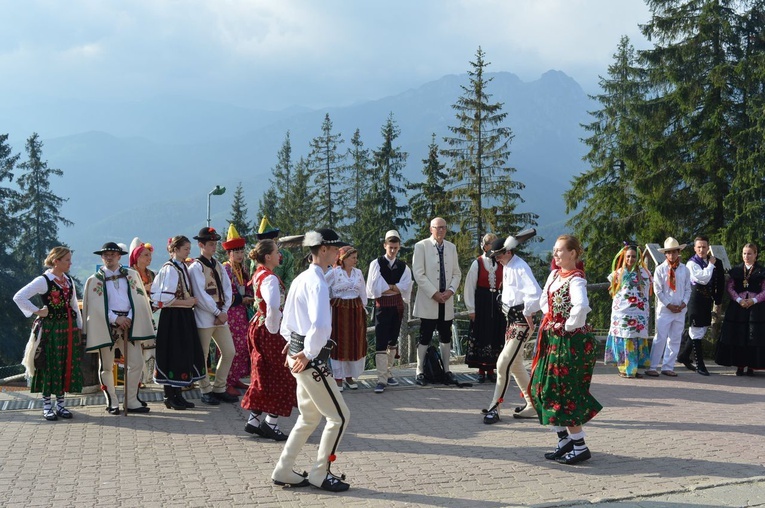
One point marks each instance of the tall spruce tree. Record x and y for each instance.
(482, 181)
(38, 208)
(299, 205)
(692, 113)
(12, 276)
(272, 201)
(327, 165)
(431, 198)
(238, 215)
(360, 178)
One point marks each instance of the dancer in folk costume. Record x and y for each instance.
(483, 286)
(628, 345)
(54, 352)
(520, 301)
(307, 325)
(389, 283)
(140, 259)
(179, 360)
(117, 316)
(672, 286)
(238, 320)
(348, 297)
(565, 359)
(272, 386)
(286, 269)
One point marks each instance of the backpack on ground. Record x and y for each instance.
(432, 367)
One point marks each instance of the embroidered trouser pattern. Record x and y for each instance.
(134, 369)
(317, 396)
(510, 362)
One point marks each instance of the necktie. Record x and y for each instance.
(441, 271)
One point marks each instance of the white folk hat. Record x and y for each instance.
(672, 244)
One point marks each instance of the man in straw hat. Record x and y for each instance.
(117, 314)
(389, 283)
(436, 270)
(520, 301)
(212, 287)
(672, 286)
(307, 325)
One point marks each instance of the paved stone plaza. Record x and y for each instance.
(688, 441)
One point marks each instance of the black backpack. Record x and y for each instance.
(433, 368)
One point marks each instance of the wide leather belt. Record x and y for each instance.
(297, 344)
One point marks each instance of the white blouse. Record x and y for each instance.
(346, 287)
(39, 286)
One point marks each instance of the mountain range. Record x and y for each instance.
(144, 168)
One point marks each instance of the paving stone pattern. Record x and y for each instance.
(688, 441)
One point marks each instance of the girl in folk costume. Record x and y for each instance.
(53, 354)
(140, 259)
(628, 345)
(347, 291)
(238, 318)
(179, 358)
(272, 387)
(742, 338)
(565, 357)
(483, 286)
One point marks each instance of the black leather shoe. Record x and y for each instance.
(481, 378)
(303, 483)
(210, 399)
(50, 415)
(113, 410)
(688, 365)
(560, 451)
(171, 403)
(141, 409)
(518, 409)
(450, 378)
(492, 377)
(225, 397)
(271, 433)
(703, 371)
(334, 484)
(491, 417)
(571, 458)
(420, 380)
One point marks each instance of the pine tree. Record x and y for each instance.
(431, 198)
(39, 209)
(479, 149)
(298, 208)
(360, 177)
(271, 202)
(238, 215)
(326, 165)
(12, 277)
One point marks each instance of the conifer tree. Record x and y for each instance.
(431, 198)
(271, 202)
(482, 181)
(238, 215)
(38, 208)
(327, 166)
(360, 177)
(298, 208)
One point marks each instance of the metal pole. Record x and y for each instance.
(208, 208)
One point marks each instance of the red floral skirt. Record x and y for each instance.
(272, 389)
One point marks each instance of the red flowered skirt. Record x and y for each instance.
(239, 326)
(561, 377)
(349, 330)
(272, 389)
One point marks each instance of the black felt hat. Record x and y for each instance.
(322, 237)
(110, 247)
(207, 235)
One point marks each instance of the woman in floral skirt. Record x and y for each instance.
(628, 345)
(565, 358)
(55, 334)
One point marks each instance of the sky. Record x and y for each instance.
(274, 54)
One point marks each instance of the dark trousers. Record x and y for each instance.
(387, 327)
(443, 326)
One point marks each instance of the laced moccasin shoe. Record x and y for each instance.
(269, 432)
(253, 429)
(491, 417)
(50, 415)
(560, 451)
(113, 410)
(299, 480)
(574, 458)
(64, 413)
(527, 412)
(334, 484)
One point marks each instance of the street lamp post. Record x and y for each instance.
(217, 191)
